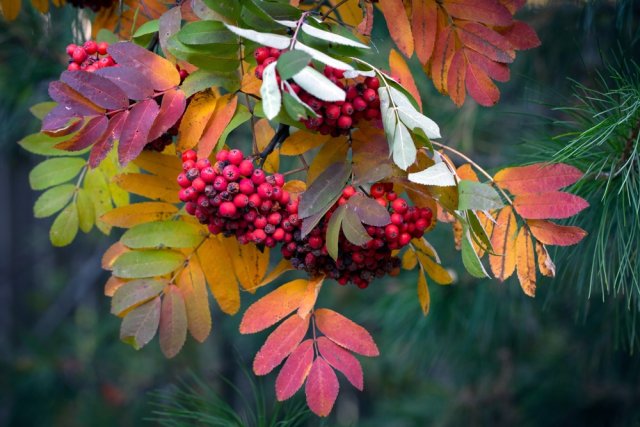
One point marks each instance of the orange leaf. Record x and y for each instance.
(537, 178)
(195, 119)
(521, 36)
(273, 307)
(280, 344)
(112, 285)
(526, 262)
(215, 262)
(398, 24)
(129, 215)
(545, 264)
(424, 19)
(10, 9)
(423, 293)
(110, 256)
(435, 270)
(366, 25)
(41, 5)
(350, 12)
(552, 205)
(294, 371)
(466, 172)
(322, 387)
(345, 332)
(149, 186)
(456, 78)
(551, 233)
(480, 86)
(489, 12)
(251, 84)
(503, 240)
(295, 187)
(193, 286)
(400, 69)
(173, 322)
(486, 41)
(225, 109)
(442, 55)
(310, 296)
(409, 259)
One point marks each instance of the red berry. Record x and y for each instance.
(347, 109)
(198, 184)
(332, 112)
(274, 53)
(316, 242)
(278, 235)
(70, 49)
(397, 219)
(377, 190)
(338, 74)
(345, 122)
(241, 200)
(382, 202)
(359, 104)
(246, 168)
(259, 236)
(208, 175)
(391, 231)
(91, 69)
(260, 222)
(73, 67)
(255, 200)
(79, 55)
(265, 190)
(189, 155)
(348, 191)
(227, 209)
(372, 83)
(270, 60)
(222, 155)
(352, 93)
(404, 239)
(231, 172)
(235, 157)
(102, 48)
(261, 54)
(246, 186)
(400, 206)
(91, 47)
(203, 163)
(279, 179)
(372, 113)
(391, 196)
(219, 183)
(188, 165)
(259, 71)
(369, 95)
(275, 218)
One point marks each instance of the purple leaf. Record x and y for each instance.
(136, 128)
(61, 121)
(102, 148)
(169, 24)
(161, 73)
(72, 100)
(324, 189)
(173, 104)
(369, 211)
(99, 90)
(89, 134)
(134, 84)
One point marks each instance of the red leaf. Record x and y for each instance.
(322, 388)
(537, 178)
(102, 148)
(89, 134)
(60, 121)
(480, 86)
(442, 56)
(496, 70)
(161, 73)
(513, 5)
(456, 78)
(97, 89)
(552, 205)
(489, 12)
(400, 30)
(423, 23)
(345, 332)
(72, 100)
(551, 233)
(487, 42)
(173, 105)
(294, 371)
(342, 360)
(134, 84)
(280, 344)
(135, 130)
(273, 307)
(521, 36)
(221, 118)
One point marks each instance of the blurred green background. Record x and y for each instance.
(485, 356)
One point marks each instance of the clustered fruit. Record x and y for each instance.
(89, 57)
(332, 118)
(94, 5)
(234, 198)
(361, 264)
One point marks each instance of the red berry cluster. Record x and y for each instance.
(236, 199)
(94, 5)
(89, 57)
(361, 264)
(333, 118)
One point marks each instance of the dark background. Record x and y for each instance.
(485, 355)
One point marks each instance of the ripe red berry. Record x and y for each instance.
(270, 60)
(347, 109)
(198, 184)
(316, 242)
(372, 83)
(352, 93)
(274, 53)
(259, 236)
(73, 67)
(79, 55)
(372, 113)
(404, 239)
(275, 218)
(261, 54)
(348, 191)
(222, 155)
(369, 95)
(246, 186)
(102, 48)
(279, 179)
(338, 74)
(260, 222)
(220, 183)
(208, 175)
(332, 112)
(241, 200)
(377, 190)
(255, 200)
(189, 155)
(235, 157)
(70, 49)
(91, 47)
(345, 122)
(231, 172)
(391, 231)
(265, 190)
(246, 168)
(400, 206)
(227, 209)
(397, 219)
(91, 69)
(359, 104)
(259, 71)
(278, 235)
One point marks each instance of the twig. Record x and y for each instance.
(292, 171)
(281, 134)
(333, 9)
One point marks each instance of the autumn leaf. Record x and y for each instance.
(273, 307)
(195, 119)
(545, 264)
(215, 262)
(173, 322)
(400, 29)
(282, 341)
(342, 360)
(345, 332)
(525, 262)
(322, 388)
(551, 233)
(537, 178)
(503, 240)
(193, 286)
(399, 68)
(551, 205)
(294, 371)
(131, 215)
(223, 114)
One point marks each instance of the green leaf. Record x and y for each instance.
(271, 40)
(470, 258)
(105, 35)
(201, 80)
(411, 117)
(55, 171)
(479, 234)
(369, 211)
(135, 293)
(41, 109)
(477, 196)
(318, 85)
(333, 231)
(53, 200)
(97, 186)
(291, 63)
(217, 59)
(141, 264)
(242, 115)
(404, 149)
(65, 226)
(353, 229)
(324, 189)
(437, 175)
(140, 325)
(147, 28)
(228, 9)
(270, 92)
(294, 109)
(43, 145)
(163, 234)
(206, 32)
(86, 211)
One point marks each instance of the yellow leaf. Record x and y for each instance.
(301, 142)
(195, 119)
(425, 247)
(526, 262)
(295, 187)
(335, 151)
(399, 68)
(139, 213)
(409, 259)
(263, 133)
(86, 211)
(41, 5)
(282, 267)
(545, 264)
(250, 265)
(398, 24)
(10, 9)
(193, 286)
(487, 226)
(435, 271)
(310, 296)
(149, 186)
(503, 240)
(225, 109)
(160, 164)
(215, 262)
(466, 172)
(251, 84)
(423, 293)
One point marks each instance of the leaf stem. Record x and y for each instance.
(294, 38)
(333, 9)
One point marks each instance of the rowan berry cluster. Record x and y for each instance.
(361, 264)
(94, 5)
(332, 118)
(236, 199)
(89, 57)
